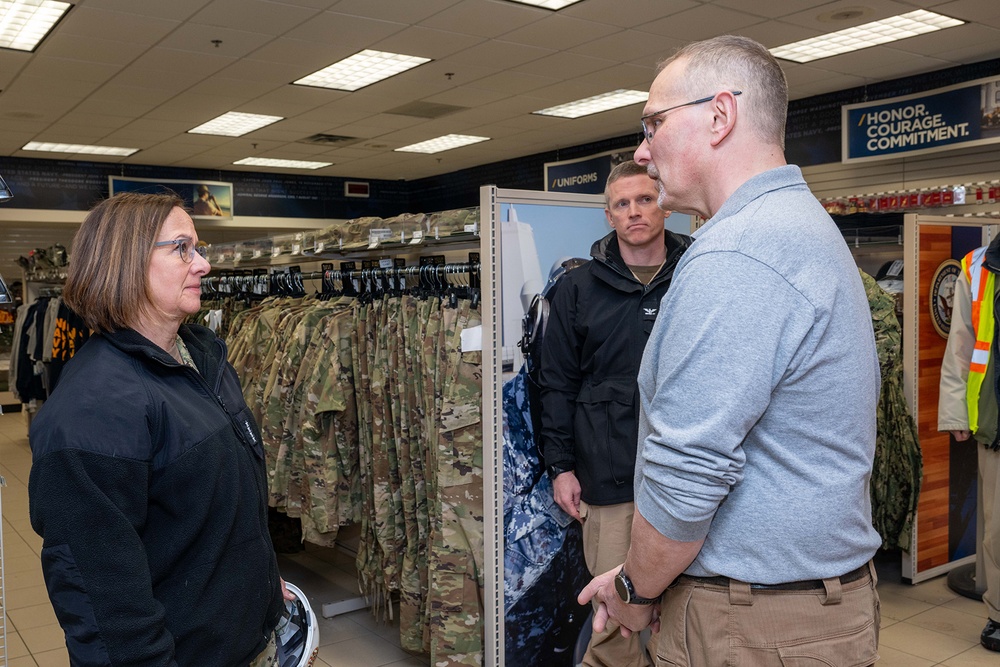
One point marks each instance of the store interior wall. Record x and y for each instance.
(813, 140)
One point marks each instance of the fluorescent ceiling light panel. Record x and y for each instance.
(362, 69)
(77, 148)
(282, 164)
(25, 23)
(234, 124)
(596, 104)
(445, 143)
(554, 5)
(887, 30)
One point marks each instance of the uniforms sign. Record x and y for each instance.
(586, 175)
(958, 116)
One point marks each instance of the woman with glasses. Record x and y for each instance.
(148, 482)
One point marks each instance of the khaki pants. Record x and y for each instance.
(989, 480)
(709, 625)
(607, 531)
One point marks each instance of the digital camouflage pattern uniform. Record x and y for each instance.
(898, 467)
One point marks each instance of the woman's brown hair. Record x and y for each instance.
(106, 283)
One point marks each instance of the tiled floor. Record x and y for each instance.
(922, 625)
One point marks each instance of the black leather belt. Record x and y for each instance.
(806, 585)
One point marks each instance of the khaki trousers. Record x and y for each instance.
(989, 480)
(712, 625)
(607, 531)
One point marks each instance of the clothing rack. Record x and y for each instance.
(429, 278)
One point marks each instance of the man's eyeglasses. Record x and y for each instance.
(647, 131)
(186, 248)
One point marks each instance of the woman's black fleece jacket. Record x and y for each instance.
(148, 486)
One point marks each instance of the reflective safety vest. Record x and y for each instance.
(982, 281)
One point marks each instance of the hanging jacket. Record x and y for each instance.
(599, 322)
(148, 487)
(981, 281)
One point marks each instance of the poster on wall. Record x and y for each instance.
(959, 116)
(207, 200)
(584, 175)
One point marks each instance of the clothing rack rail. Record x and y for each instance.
(429, 277)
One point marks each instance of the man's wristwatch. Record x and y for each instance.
(556, 470)
(626, 591)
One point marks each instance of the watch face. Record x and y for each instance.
(621, 588)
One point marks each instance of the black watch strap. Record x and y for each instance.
(556, 470)
(626, 591)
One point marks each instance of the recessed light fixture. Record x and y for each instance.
(554, 5)
(887, 30)
(234, 124)
(25, 23)
(282, 164)
(596, 104)
(445, 143)
(81, 149)
(362, 69)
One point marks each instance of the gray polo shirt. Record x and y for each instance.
(758, 394)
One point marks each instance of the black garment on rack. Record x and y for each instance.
(29, 384)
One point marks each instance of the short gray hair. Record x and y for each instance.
(733, 62)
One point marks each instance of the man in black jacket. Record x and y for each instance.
(599, 321)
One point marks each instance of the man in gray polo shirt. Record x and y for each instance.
(758, 396)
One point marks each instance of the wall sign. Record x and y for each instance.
(209, 200)
(959, 116)
(585, 175)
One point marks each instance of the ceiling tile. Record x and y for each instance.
(467, 96)
(342, 35)
(487, 19)
(701, 23)
(515, 82)
(971, 10)
(631, 45)
(504, 55)
(563, 64)
(393, 10)
(816, 17)
(427, 42)
(177, 10)
(560, 31)
(771, 9)
(85, 21)
(198, 38)
(777, 33)
(93, 49)
(271, 18)
(632, 14)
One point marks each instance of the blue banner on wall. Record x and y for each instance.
(958, 116)
(585, 175)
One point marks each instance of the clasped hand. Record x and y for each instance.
(630, 617)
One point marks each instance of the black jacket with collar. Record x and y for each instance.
(599, 322)
(149, 489)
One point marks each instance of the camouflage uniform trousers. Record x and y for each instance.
(385, 464)
(456, 556)
(414, 575)
(370, 558)
(269, 656)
